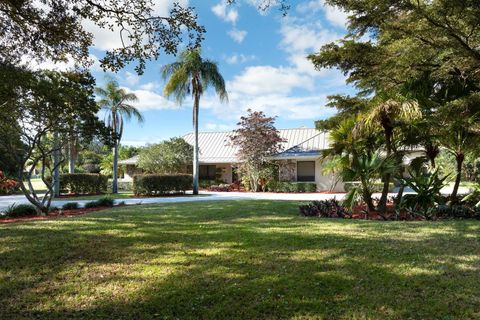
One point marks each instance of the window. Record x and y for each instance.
(207, 172)
(306, 171)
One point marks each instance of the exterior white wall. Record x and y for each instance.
(226, 172)
(326, 182)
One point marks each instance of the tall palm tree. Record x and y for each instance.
(192, 75)
(115, 101)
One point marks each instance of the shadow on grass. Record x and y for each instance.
(237, 259)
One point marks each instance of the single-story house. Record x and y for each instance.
(300, 159)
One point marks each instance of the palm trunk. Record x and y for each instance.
(56, 170)
(459, 157)
(382, 206)
(196, 166)
(115, 155)
(115, 169)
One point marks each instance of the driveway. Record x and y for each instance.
(6, 201)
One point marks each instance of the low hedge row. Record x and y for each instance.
(291, 187)
(161, 184)
(83, 183)
(376, 187)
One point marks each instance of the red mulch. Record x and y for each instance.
(54, 215)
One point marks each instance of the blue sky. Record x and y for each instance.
(262, 58)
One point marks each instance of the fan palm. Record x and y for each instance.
(387, 115)
(116, 101)
(192, 75)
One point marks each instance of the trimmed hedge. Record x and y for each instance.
(161, 184)
(376, 187)
(291, 187)
(83, 183)
(20, 210)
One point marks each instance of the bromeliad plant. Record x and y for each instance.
(427, 186)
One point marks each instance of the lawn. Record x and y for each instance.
(237, 259)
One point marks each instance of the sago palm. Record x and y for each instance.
(116, 101)
(192, 75)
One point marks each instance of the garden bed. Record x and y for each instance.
(53, 215)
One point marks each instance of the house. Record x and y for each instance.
(300, 159)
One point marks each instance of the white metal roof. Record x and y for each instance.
(215, 147)
(132, 160)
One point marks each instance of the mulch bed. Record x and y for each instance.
(53, 215)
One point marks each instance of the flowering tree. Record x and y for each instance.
(257, 139)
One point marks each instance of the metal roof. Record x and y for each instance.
(215, 147)
(132, 160)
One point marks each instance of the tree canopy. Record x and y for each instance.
(170, 156)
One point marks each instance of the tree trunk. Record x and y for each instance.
(115, 169)
(56, 170)
(459, 157)
(382, 206)
(115, 154)
(72, 154)
(196, 166)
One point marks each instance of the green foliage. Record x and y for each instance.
(256, 139)
(170, 156)
(70, 206)
(91, 204)
(427, 188)
(473, 196)
(291, 187)
(161, 184)
(62, 33)
(20, 210)
(83, 183)
(105, 202)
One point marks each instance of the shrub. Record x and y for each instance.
(291, 187)
(325, 209)
(70, 206)
(161, 184)
(91, 204)
(458, 212)
(124, 185)
(105, 202)
(7, 186)
(83, 183)
(20, 210)
(376, 186)
(224, 187)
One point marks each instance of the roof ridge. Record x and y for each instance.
(229, 131)
(312, 137)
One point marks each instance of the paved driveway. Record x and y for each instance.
(6, 201)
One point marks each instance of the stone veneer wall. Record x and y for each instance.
(287, 170)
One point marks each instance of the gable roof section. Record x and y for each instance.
(215, 147)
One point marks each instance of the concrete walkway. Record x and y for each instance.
(6, 201)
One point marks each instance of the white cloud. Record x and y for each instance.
(131, 78)
(217, 127)
(237, 35)
(59, 65)
(150, 100)
(225, 12)
(239, 58)
(258, 80)
(150, 86)
(333, 14)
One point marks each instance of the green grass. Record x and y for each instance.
(237, 260)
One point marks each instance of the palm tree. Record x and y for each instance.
(387, 115)
(192, 75)
(115, 101)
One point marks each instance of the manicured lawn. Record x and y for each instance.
(237, 259)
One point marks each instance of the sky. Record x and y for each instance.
(262, 57)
